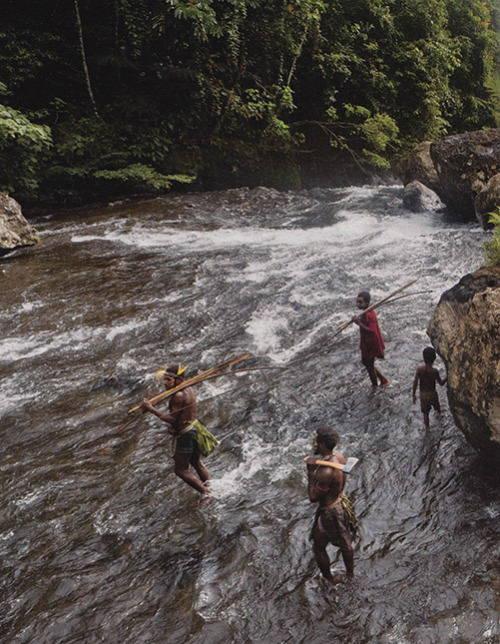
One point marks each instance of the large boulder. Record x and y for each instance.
(465, 163)
(487, 201)
(419, 198)
(418, 166)
(465, 332)
(15, 231)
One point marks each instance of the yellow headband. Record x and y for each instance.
(161, 372)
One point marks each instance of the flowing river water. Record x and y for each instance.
(101, 542)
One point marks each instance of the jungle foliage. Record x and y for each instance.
(492, 246)
(116, 96)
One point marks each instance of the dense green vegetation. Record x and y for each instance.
(109, 97)
(492, 247)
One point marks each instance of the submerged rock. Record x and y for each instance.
(465, 332)
(419, 198)
(418, 166)
(15, 231)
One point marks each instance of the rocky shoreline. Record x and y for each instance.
(462, 171)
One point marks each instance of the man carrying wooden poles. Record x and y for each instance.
(186, 430)
(372, 343)
(191, 439)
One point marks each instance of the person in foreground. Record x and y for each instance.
(334, 521)
(182, 424)
(426, 376)
(371, 341)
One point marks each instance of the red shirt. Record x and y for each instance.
(371, 342)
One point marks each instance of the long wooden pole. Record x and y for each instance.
(194, 380)
(344, 325)
(138, 408)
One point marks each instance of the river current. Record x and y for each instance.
(101, 542)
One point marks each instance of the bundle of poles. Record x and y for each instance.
(389, 299)
(223, 369)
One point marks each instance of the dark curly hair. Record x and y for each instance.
(429, 355)
(366, 296)
(173, 370)
(328, 436)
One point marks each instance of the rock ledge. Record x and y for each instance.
(465, 330)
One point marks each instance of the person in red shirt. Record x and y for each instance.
(371, 341)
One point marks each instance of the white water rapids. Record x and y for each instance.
(100, 542)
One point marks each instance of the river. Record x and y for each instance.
(101, 542)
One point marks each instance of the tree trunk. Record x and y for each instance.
(116, 4)
(84, 59)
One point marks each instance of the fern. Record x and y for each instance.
(492, 247)
(138, 174)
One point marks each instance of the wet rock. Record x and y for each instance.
(418, 166)
(15, 231)
(487, 201)
(419, 198)
(465, 332)
(464, 164)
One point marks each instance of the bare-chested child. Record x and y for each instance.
(426, 376)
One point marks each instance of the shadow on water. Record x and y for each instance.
(101, 542)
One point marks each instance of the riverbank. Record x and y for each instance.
(279, 173)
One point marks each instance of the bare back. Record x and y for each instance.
(427, 377)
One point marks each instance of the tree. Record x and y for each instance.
(84, 58)
(23, 146)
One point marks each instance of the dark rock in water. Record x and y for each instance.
(465, 163)
(465, 332)
(418, 166)
(420, 198)
(487, 201)
(15, 231)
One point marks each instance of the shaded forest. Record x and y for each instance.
(108, 98)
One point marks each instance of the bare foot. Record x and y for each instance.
(336, 579)
(206, 497)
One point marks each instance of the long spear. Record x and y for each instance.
(344, 325)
